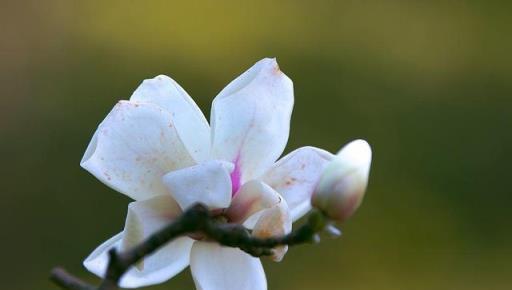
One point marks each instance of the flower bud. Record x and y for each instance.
(343, 183)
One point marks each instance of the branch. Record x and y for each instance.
(195, 220)
(67, 281)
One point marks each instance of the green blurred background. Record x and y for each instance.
(427, 83)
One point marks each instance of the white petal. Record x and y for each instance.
(251, 198)
(357, 154)
(250, 120)
(221, 268)
(296, 175)
(188, 118)
(275, 221)
(208, 183)
(134, 147)
(97, 261)
(148, 216)
(164, 264)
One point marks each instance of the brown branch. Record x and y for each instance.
(195, 220)
(67, 281)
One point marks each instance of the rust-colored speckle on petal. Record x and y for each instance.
(290, 181)
(276, 69)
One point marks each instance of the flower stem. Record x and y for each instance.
(196, 219)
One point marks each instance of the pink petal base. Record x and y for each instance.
(236, 176)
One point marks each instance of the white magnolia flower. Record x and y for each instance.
(158, 149)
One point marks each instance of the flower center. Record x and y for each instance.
(219, 217)
(236, 176)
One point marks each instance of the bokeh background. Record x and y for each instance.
(427, 83)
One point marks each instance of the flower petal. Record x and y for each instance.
(295, 177)
(222, 268)
(165, 263)
(252, 197)
(275, 221)
(190, 122)
(250, 119)
(148, 216)
(143, 219)
(134, 147)
(208, 183)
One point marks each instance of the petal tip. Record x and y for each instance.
(162, 77)
(357, 152)
(270, 64)
(89, 152)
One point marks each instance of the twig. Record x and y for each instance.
(67, 281)
(195, 220)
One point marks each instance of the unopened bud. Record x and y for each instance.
(342, 185)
